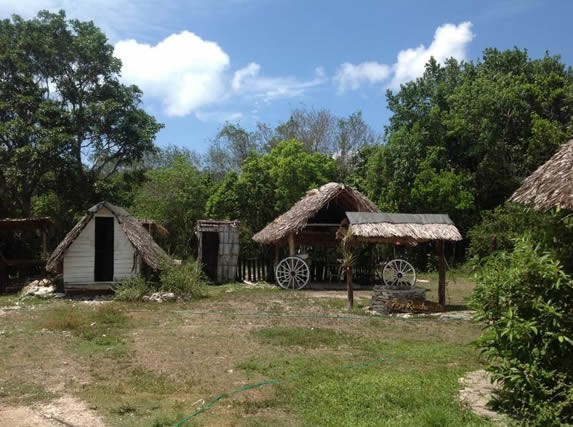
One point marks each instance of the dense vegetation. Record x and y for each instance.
(459, 140)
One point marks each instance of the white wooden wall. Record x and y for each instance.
(79, 259)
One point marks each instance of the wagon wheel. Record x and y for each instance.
(399, 274)
(292, 273)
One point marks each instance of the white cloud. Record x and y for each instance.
(183, 71)
(350, 76)
(450, 41)
(247, 81)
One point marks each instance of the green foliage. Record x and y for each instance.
(66, 121)
(499, 228)
(184, 280)
(525, 301)
(132, 289)
(268, 185)
(175, 196)
(462, 137)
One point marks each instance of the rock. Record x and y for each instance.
(43, 288)
(160, 297)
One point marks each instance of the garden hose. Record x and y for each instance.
(246, 387)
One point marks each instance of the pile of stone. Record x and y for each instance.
(160, 297)
(408, 300)
(43, 288)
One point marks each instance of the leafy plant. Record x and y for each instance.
(525, 300)
(184, 279)
(132, 289)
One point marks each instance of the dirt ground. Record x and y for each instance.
(186, 353)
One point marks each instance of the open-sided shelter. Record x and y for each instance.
(106, 246)
(315, 218)
(551, 185)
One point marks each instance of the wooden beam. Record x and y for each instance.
(441, 273)
(291, 245)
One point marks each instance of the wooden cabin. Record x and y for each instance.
(106, 246)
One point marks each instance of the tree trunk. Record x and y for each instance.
(349, 288)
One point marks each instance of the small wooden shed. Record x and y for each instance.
(218, 249)
(106, 246)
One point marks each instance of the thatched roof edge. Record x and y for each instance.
(404, 233)
(551, 185)
(149, 251)
(297, 217)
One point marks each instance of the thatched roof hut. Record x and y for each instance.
(122, 242)
(401, 228)
(317, 215)
(551, 185)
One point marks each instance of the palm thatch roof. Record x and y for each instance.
(149, 251)
(315, 201)
(401, 228)
(551, 185)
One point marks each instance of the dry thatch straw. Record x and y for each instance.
(402, 228)
(298, 216)
(149, 251)
(551, 185)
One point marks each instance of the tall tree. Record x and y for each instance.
(64, 110)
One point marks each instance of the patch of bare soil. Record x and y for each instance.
(64, 411)
(477, 392)
(366, 294)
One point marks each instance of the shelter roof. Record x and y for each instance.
(401, 228)
(551, 185)
(19, 223)
(297, 218)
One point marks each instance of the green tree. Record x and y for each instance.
(67, 121)
(175, 196)
(462, 137)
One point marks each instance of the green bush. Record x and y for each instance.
(132, 289)
(183, 280)
(525, 300)
(499, 228)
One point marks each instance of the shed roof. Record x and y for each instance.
(404, 228)
(551, 185)
(21, 223)
(297, 218)
(150, 252)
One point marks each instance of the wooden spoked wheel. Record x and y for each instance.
(292, 273)
(399, 274)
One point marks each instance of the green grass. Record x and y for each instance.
(303, 337)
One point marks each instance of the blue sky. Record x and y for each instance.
(203, 62)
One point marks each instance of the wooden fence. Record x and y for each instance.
(262, 270)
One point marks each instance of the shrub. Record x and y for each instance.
(184, 280)
(132, 289)
(499, 229)
(525, 300)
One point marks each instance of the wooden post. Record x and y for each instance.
(276, 261)
(441, 274)
(349, 287)
(44, 232)
(291, 245)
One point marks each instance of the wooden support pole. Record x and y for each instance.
(441, 274)
(44, 232)
(277, 252)
(291, 245)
